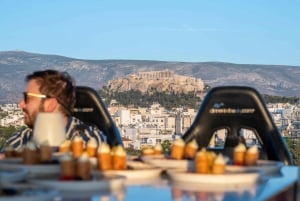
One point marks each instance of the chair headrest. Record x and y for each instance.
(233, 108)
(90, 108)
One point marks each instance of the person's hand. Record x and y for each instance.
(2, 156)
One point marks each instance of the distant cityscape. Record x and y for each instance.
(141, 127)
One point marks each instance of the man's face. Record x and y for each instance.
(33, 105)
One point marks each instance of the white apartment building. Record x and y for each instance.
(124, 116)
(129, 133)
(135, 116)
(183, 120)
(12, 120)
(14, 115)
(10, 107)
(158, 121)
(156, 109)
(170, 122)
(152, 139)
(148, 126)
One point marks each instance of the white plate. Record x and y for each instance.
(268, 168)
(27, 192)
(98, 183)
(135, 174)
(137, 171)
(226, 179)
(12, 174)
(149, 157)
(138, 165)
(38, 169)
(57, 155)
(166, 163)
(11, 160)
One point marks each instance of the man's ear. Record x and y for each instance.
(51, 105)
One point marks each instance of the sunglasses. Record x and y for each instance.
(28, 94)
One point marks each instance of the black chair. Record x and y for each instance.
(235, 108)
(90, 109)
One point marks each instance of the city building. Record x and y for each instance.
(141, 127)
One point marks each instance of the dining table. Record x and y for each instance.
(283, 187)
(160, 184)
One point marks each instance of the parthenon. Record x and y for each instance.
(164, 74)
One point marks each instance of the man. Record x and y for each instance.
(51, 91)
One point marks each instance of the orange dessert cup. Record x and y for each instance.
(45, 153)
(92, 147)
(77, 146)
(31, 154)
(239, 154)
(202, 162)
(158, 149)
(177, 150)
(219, 165)
(191, 149)
(83, 167)
(211, 156)
(147, 151)
(252, 155)
(19, 152)
(67, 166)
(104, 157)
(9, 152)
(65, 146)
(119, 159)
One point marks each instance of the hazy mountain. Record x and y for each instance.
(268, 79)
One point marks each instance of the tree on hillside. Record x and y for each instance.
(166, 145)
(5, 133)
(294, 146)
(280, 99)
(168, 101)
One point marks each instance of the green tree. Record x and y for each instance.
(133, 152)
(294, 146)
(5, 133)
(166, 99)
(166, 145)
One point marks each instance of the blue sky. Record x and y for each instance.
(237, 31)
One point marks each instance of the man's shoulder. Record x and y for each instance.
(20, 134)
(77, 122)
(87, 130)
(23, 130)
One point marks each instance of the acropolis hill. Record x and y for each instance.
(156, 81)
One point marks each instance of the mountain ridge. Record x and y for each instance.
(280, 80)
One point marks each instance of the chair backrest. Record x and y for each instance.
(90, 109)
(233, 108)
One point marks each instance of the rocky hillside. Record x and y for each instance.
(268, 79)
(156, 81)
